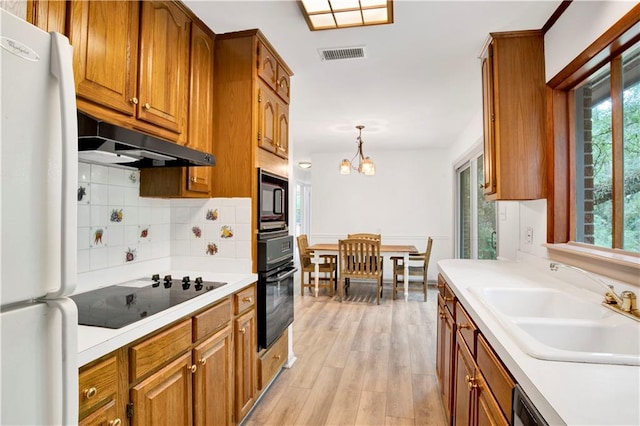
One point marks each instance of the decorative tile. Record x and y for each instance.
(116, 215)
(196, 231)
(212, 248)
(211, 214)
(134, 177)
(98, 237)
(226, 232)
(144, 232)
(83, 193)
(130, 255)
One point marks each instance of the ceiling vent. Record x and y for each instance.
(340, 53)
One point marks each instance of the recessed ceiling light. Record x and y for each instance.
(332, 14)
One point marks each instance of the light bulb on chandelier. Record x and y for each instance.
(365, 164)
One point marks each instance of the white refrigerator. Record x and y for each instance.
(38, 208)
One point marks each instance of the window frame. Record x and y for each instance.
(561, 139)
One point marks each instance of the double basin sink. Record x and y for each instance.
(553, 324)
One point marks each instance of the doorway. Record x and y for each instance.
(476, 228)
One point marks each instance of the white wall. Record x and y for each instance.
(406, 200)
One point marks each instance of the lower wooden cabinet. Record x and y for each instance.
(476, 388)
(245, 362)
(181, 375)
(213, 384)
(272, 360)
(164, 398)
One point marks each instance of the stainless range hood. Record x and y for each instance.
(103, 143)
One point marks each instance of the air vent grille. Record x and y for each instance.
(341, 53)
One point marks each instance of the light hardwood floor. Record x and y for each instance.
(358, 363)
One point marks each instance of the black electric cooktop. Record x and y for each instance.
(119, 305)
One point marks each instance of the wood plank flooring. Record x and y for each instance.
(358, 363)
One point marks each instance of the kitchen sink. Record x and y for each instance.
(552, 324)
(540, 303)
(585, 341)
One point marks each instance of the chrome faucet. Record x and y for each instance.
(625, 303)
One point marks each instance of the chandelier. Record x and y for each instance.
(365, 164)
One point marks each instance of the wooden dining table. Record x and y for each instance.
(389, 249)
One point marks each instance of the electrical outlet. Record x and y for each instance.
(529, 235)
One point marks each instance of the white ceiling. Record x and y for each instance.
(419, 85)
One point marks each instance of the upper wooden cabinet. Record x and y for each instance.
(513, 89)
(98, 51)
(164, 65)
(251, 120)
(47, 15)
(131, 63)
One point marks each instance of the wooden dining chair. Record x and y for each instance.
(359, 259)
(328, 269)
(374, 237)
(418, 266)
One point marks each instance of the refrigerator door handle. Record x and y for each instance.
(62, 70)
(69, 316)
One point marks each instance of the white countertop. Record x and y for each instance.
(569, 393)
(94, 342)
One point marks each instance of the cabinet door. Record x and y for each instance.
(164, 63)
(464, 387)
(282, 134)
(283, 85)
(267, 65)
(266, 118)
(104, 59)
(106, 415)
(489, 413)
(48, 15)
(245, 362)
(489, 123)
(445, 355)
(213, 385)
(165, 397)
(200, 134)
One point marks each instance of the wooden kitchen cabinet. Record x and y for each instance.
(513, 91)
(246, 347)
(138, 75)
(98, 51)
(166, 396)
(479, 385)
(250, 114)
(48, 15)
(445, 359)
(102, 391)
(213, 385)
(271, 360)
(191, 182)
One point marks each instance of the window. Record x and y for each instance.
(476, 216)
(607, 154)
(592, 196)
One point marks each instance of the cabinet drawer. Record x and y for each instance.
(107, 415)
(447, 294)
(157, 350)
(210, 320)
(97, 383)
(244, 299)
(496, 375)
(466, 327)
(272, 360)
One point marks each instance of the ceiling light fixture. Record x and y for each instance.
(304, 164)
(332, 14)
(365, 164)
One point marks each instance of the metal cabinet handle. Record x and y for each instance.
(242, 330)
(464, 326)
(448, 299)
(471, 382)
(90, 393)
(203, 361)
(193, 368)
(439, 285)
(133, 101)
(147, 106)
(277, 357)
(247, 299)
(115, 422)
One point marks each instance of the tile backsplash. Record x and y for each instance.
(116, 226)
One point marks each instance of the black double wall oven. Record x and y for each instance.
(275, 260)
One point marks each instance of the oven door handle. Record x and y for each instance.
(282, 276)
